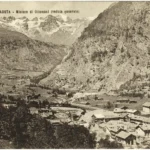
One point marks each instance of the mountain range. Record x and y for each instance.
(19, 52)
(110, 52)
(59, 29)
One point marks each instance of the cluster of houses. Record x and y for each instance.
(124, 100)
(9, 100)
(57, 115)
(57, 111)
(126, 132)
(125, 109)
(7, 104)
(126, 128)
(121, 131)
(43, 112)
(87, 96)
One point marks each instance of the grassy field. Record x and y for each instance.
(101, 103)
(112, 99)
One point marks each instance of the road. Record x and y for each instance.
(81, 105)
(84, 106)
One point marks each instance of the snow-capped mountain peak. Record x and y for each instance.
(91, 18)
(63, 17)
(58, 29)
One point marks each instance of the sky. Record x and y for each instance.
(85, 9)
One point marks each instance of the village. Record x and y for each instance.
(117, 121)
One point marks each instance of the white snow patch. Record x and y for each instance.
(64, 17)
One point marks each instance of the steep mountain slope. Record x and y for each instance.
(56, 29)
(114, 47)
(17, 51)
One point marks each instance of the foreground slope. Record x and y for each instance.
(110, 51)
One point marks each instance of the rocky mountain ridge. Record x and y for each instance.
(17, 51)
(56, 29)
(113, 48)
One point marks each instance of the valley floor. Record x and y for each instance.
(129, 126)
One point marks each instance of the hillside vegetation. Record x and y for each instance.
(113, 48)
(20, 129)
(17, 51)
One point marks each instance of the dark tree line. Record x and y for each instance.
(24, 130)
(107, 144)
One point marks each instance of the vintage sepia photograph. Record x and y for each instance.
(74, 75)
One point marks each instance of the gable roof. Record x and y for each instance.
(145, 127)
(115, 129)
(122, 99)
(98, 116)
(123, 135)
(119, 110)
(124, 107)
(146, 104)
(131, 110)
(139, 118)
(88, 115)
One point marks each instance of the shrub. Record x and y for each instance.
(105, 143)
(32, 131)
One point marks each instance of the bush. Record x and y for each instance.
(98, 56)
(74, 137)
(109, 105)
(32, 131)
(105, 143)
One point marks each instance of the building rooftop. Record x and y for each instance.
(122, 99)
(139, 118)
(146, 104)
(115, 126)
(119, 110)
(98, 116)
(124, 107)
(131, 110)
(123, 135)
(145, 127)
(106, 113)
